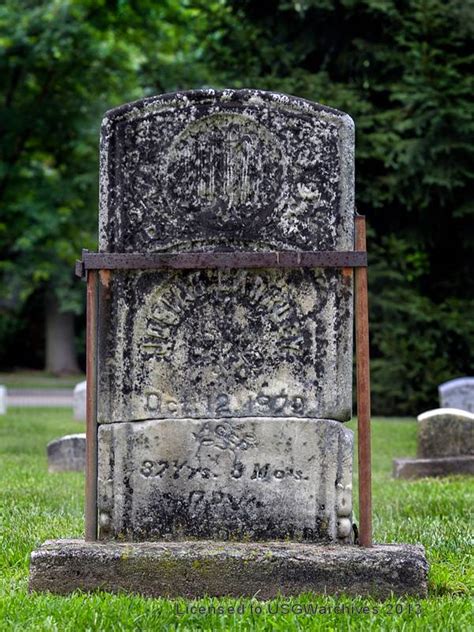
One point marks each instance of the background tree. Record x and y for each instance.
(401, 68)
(62, 64)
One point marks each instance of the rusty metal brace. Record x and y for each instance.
(219, 260)
(92, 263)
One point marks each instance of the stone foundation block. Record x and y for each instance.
(420, 468)
(194, 569)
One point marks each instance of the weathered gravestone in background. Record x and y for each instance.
(458, 393)
(445, 445)
(222, 392)
(67, 454)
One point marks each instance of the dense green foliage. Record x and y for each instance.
(402, 69)
(36, 506)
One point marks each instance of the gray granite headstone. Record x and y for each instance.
(445, 445)
(221, 391)
(458, 393)
(445, 432)
(67, 453)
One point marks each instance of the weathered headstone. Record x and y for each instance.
(222, 393)
(445, 445)
(3, 399)
(457, 393)
(67, 454)
(79, 401)
(188, 350)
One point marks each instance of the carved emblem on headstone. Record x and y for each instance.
(222, 168)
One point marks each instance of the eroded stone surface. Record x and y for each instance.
(231, 170)
(226, 170)
(458, 393)
(445, 432)
(217, 569)
(67, 453)
(193, 364)
(226, 478)
(214, 169)
(235, 343)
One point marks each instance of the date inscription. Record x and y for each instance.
(223, 405)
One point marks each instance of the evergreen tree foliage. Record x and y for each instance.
(401, 68)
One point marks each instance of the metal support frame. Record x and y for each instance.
(92, 265)
(219, 260)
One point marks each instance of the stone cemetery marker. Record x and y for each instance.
(458, 393)
(445, 445)
(79, 401)
(222, 390)
(445, 432)
(67, 453)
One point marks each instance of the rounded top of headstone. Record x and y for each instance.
(81, 436)
(226, 169)
(229, 97)
(456, 383)
(446, 412)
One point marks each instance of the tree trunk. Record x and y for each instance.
(60, 352)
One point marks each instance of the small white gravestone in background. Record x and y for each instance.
(3, 399)
(457, 393)
(79, 401)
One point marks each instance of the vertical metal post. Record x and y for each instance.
(363, 389)
(91, 407)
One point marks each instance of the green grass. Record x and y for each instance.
(39, 379)
(36, 506)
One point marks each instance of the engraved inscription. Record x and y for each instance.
(266, 472)
(221, 405)
(260, 478)
(224, 437)
(220, 498)
(231, 343)
(174, 469)
(258, 472)
(226, 341)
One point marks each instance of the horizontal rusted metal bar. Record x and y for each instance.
(205, 260)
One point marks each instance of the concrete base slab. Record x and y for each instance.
(420, 468)
(194, 569)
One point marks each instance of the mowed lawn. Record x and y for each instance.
(36, 506)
